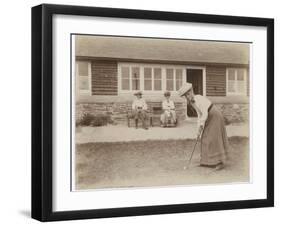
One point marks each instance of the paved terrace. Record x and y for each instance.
(120, 133)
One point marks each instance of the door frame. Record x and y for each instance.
(203, 74)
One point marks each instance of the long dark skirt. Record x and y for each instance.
(214, 142)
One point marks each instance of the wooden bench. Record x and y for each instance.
(154, 113)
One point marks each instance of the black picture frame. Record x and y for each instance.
(42, 107)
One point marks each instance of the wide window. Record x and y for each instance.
(174, 78)
(83, 77)
(149, 77)
(236, 81)
(152, 79)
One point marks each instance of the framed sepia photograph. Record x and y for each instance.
(146, 112)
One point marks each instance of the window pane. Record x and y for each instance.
(178, 84)
(135, 78)
(240, 86)
(236, 81)
(135, 72)
(170, 79)
(83, 83)
(125, 76)
(157, 84)
(147, 84)
(147, 78)
(157, 79)
(83, 68)
(170, 74)
(178, 78)
(125, 84)
(147, 73)
(240, 74)
(170, 85)
(231, 86)
(178, 73)
(157, 73)
(231, 74)
(125, 72)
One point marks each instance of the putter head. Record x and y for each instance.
(186, 167)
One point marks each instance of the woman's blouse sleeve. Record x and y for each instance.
(203, 104)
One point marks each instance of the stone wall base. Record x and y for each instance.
(233, 113)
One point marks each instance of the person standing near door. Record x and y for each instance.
(211, 129)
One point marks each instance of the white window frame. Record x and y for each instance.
(203, 74)
(84, 92)
(151, 65)
(235, 93)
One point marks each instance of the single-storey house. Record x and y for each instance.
(110, 69)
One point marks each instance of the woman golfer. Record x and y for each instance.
(211, 128)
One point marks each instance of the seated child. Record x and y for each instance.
(139, 110)
(169, 113)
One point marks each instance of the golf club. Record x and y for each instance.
(190, 158)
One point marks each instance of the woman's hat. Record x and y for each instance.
(184, 89)
(138, 93)
(167, 94)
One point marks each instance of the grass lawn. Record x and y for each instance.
(154, 163)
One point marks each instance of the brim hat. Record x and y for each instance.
(184, 89)
(138, 93)
(167, 94)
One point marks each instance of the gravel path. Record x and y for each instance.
(119, 133)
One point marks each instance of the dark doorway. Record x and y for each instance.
(195, 77)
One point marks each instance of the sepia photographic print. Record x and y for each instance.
(138, 112)
(157, 112)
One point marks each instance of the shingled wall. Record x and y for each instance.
(215, 81)
(104, 77)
